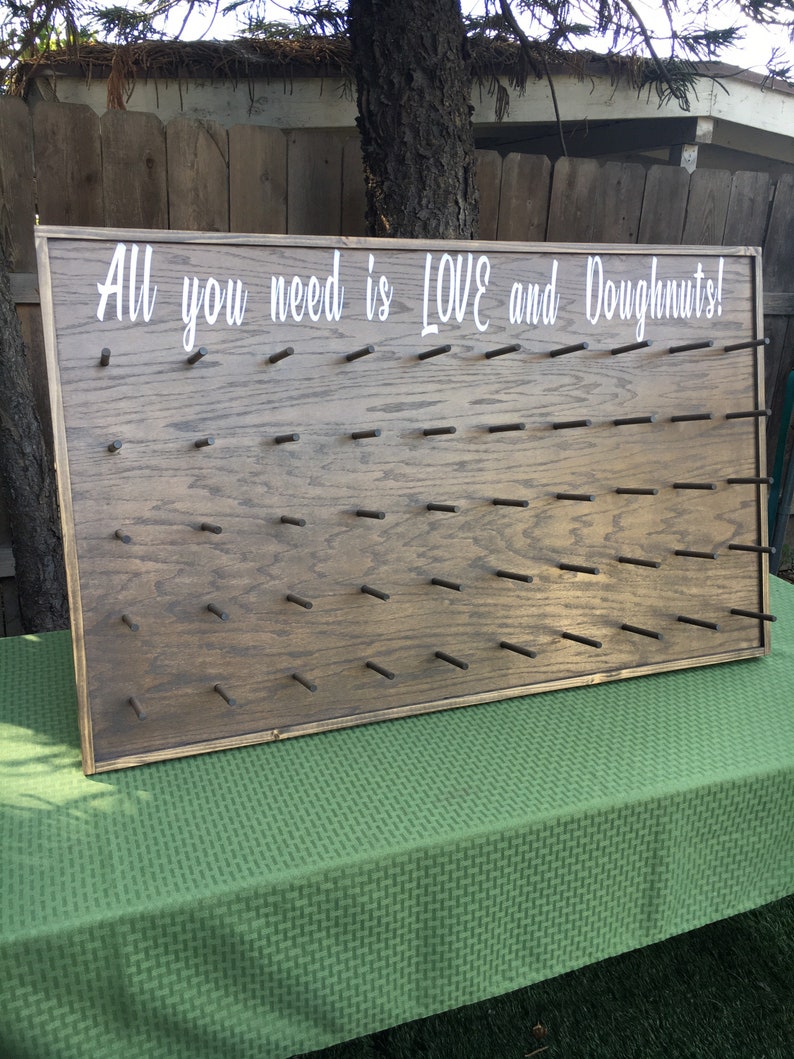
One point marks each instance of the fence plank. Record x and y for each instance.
(354, 199)
(489, 178)
(17, 199)
(134, 175)
(68, 164)
(664, 205)
(778, 256)
(314, 182)
(574, 189)
(618, 206)
(747, 210)
(257, 179)
(198, 185)
(524, 197)
(707, 208)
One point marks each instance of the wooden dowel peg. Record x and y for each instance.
(360, 435)
(759, 549)
(517, 649)
(688, 347)
(368, 590)
(213, 608)
(651, 563)
(511, 576)
(200, 354)
(692, 417)
(125, 538)
(501, 350)
(631, 347)
(359, 353)
(751, 480)
(304, 682)
(104, 357)
(754, 344)
(135, 703)
(211, 527)
(451, 660)
(575, 348)
(503, 428)
(204, 443)
(642, 632)
(436, 351)
(627, 490)
(631, 420)
(443, 507)
(572, 424)
(380, 669)
(224, 694)
(291, 520)
(366, 512)
(299, 600)
(753, 413)
(128, 621)
(577, 568)
(699, 622)
(114, 446)
(584, 497)
(588, 641)
(285, 439)
(282, 354)
(757, 614)
(709, 486)
(689, 553)
(442, 582)
(500, 501)
(431, 432)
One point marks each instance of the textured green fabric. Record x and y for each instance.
(270, 900)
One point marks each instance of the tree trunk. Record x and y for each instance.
(414, 90)
(27, 482)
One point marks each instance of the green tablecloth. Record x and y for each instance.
(274, 899)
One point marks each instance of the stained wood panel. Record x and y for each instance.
(489, 179)
(257, 179)
(17, 198)
(373, 490)
(198, 191)
(134, 177)
(354, 203)
(524, 198)
(664, 205)
(707, 207)
(314, 181)
(68, 164)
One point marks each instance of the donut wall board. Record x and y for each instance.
(309, 483)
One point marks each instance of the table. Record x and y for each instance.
(275, 899)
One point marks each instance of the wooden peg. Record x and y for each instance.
(632, 491)
(642, 632)
(304, 682)
(699, 622)
(759, 549)
(285, 439)
(122, 536)
(282, 354)
(213, 608)
(442, 582)
(299, 600)
(751, 480)
(200, 354)
(140, 713)
(436, 351)
(451, 660)
(631, 347)
(359, 353)
(511, 576)
(443, 507)
(561, 352)
(211, 527)
(204, 443)
(517, 649)
(694, 555)
(586, 640)
(571, 424)
(695, 485)
(688, 347)
(291, 520)
(104, 357)
(500, 352)
(754, 344)
(225, 695)
(114, 446)
(368, 590)
(431, 432)
(360, 435)
(132, 625)
(366, 512)
(631, 420)
(692, 417)
(380, 669)
(652, 563)
(579, 569)
(500, 501)
(757, 614)
(753, 413)
(505, 427)
(585, 497)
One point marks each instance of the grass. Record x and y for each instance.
(725, 991)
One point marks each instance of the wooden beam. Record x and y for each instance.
(779, 303)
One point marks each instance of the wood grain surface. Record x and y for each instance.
(299, 516)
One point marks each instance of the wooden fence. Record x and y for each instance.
(63, 164)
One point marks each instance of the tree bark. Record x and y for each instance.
(414, 91)
(28, 483)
